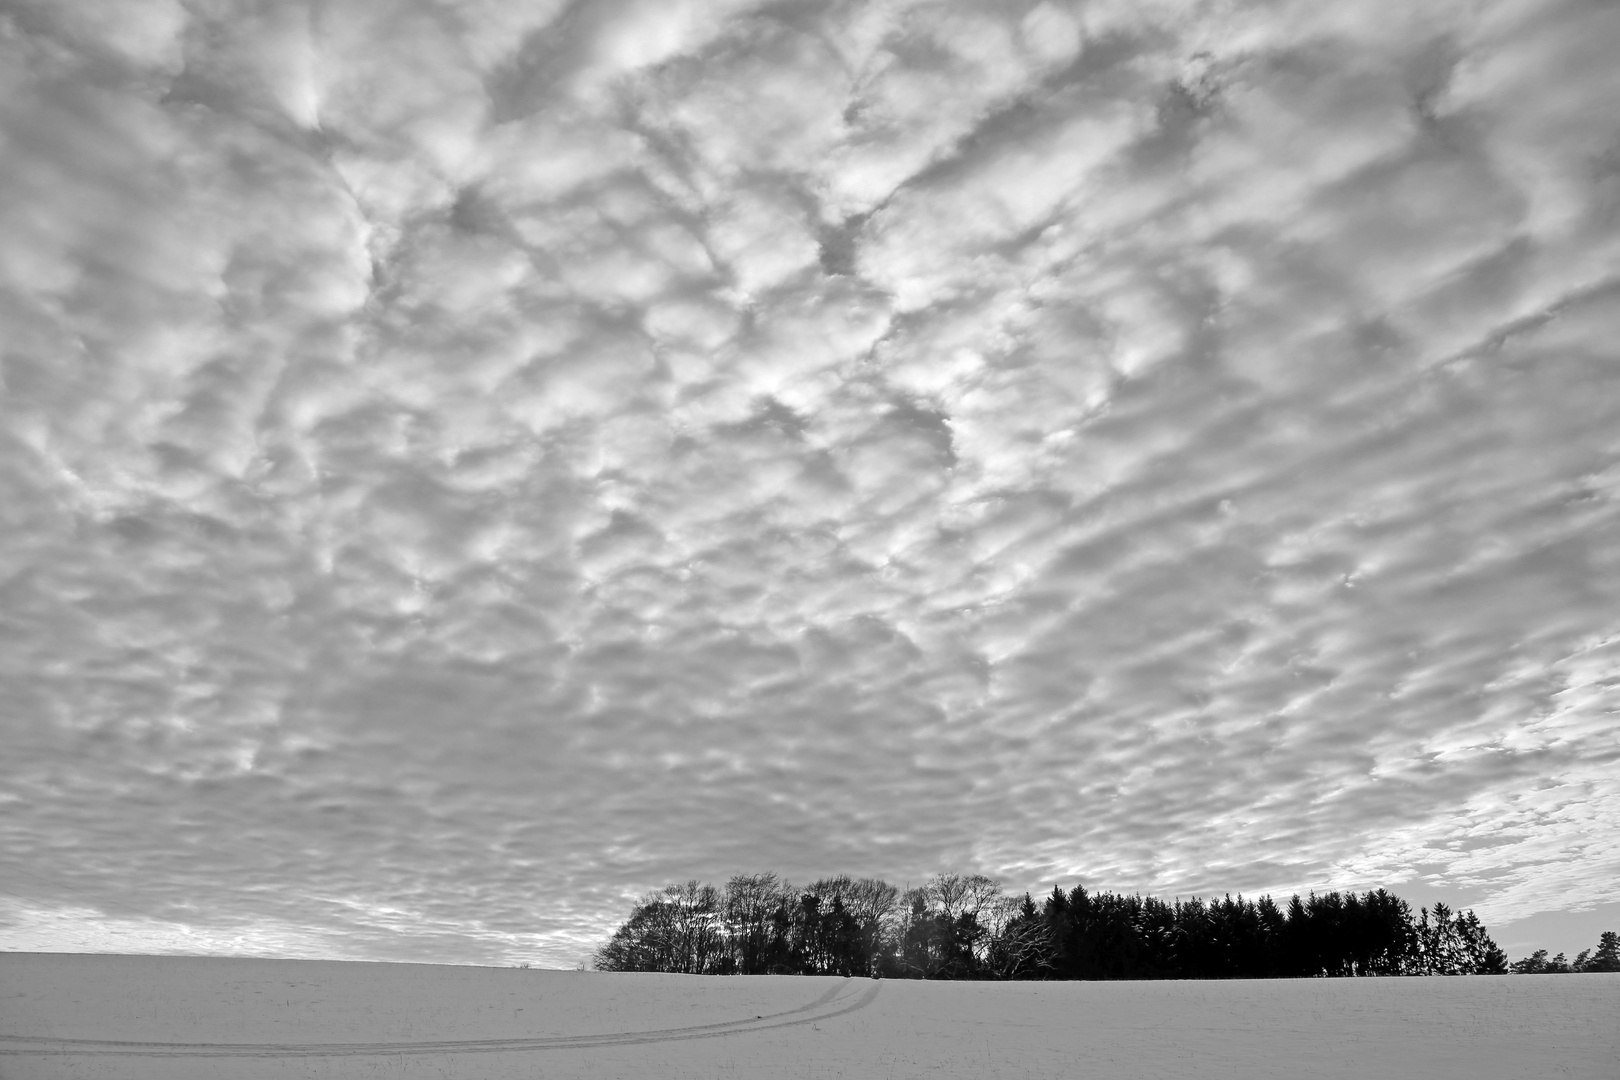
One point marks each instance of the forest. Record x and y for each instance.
(958, 926)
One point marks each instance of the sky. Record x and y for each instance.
(466, 463)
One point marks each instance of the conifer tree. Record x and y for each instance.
(1273, 925)
(1442, 946)
(1296, 950)
(1607, 957)
(1538, 964)
(1480, 954)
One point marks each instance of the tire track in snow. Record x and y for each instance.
(836, 996)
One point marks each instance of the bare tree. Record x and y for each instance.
(1020, 940)
(872, 903)
(696, 926)
(750, 904)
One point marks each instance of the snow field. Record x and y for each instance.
(174, 1018)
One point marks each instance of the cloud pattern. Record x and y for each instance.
(464, 463)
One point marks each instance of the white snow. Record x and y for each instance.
(172, 1018)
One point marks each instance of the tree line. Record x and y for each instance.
(958, 926)
(1605, 958)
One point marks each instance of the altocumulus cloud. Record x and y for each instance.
(467, 462)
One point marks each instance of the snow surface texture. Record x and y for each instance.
(170, 1018)
(466, 462)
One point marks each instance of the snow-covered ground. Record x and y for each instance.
(172, 1018)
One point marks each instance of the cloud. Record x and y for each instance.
(465, 464)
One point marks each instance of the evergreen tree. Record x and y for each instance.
(1060, 931)
(1162, 940)
(1607, 957)
(1393, 946)
(1273, 925)
(871, 903)
(924, 943)
(1330, 945)
(1480, 954)
(1538, 964)
(1440, 943)
(1115, 943)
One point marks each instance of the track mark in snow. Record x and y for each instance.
(835, 1002)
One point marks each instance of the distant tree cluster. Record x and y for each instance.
(1605, 958)
(756, 925)
(959, 926)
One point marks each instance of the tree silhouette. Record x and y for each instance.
(958, 926)
(1538, 964)
(1607, 957)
